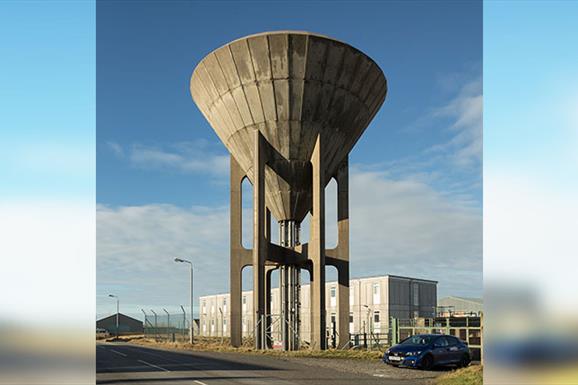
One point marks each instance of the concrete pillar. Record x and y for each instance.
(317, 248)
(268, 336)
(236, 247)
(259, 240)
(342, 179)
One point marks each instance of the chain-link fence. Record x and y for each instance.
(167, 327)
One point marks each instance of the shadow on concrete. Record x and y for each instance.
(171, 379)
(109, 362)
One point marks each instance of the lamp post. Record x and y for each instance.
(114, 296)
(191, 296)
(369, 325)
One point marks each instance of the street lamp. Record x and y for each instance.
(191, 297)
(114, 296)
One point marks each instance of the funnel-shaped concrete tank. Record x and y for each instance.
(292, 87)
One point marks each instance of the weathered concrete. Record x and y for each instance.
(290, 86)
(289, 107)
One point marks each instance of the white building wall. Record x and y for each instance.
(394, 298)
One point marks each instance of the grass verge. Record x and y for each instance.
(472, 375)
(214, 345)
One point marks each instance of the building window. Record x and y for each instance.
(224, 305)
(244, 303)
(376, 294)
(212, 326)
(415, 294)
(204, 310)
(351, 325)
(376, 322)
(332, 295)
(224, 325)
(351, 296)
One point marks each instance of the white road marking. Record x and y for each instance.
(199, 382)
(114, 351)
(154, 366)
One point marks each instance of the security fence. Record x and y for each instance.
(164, 326)
(468, 329)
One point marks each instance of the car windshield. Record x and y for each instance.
(417, 340)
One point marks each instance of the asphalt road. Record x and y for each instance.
(129, 364)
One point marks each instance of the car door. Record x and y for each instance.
(440, 350)
(454, 352)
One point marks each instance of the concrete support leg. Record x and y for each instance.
(343, 305)
(268, 335)
(342, 179)
(259, 240)
(237, 250)
(317, 249)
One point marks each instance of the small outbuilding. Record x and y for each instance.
(126, 324)
(460, 306)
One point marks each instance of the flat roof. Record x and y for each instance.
(351, 279)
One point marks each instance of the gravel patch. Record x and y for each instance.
(373, 368)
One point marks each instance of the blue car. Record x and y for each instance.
(428, 350)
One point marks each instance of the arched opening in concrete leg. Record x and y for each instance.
(331, 304)
(331, 214)
(305, 229)
(274, 310)
(305, 324)
(247, 324)
(247, 214)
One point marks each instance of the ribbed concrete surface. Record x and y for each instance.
(291, 86)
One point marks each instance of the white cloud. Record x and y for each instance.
(187, 157)
(464, 148)
(530, 235)
(47, 274)
(116, 149)
(398, 226)
(404, 226)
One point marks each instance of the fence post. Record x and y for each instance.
(168, 325)
(184, 328)
(156, 325)
(394, 332)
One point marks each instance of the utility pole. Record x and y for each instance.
(190, 297)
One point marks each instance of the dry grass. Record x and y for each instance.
(472, 375)
(215, 345)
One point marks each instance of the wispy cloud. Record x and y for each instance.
(453, 165)
(200, 157)
(115, 148)
(464, 148)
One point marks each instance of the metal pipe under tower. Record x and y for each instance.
(290, 288)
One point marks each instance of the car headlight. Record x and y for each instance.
(413, 353)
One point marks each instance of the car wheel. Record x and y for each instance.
(427, 362)
(465, 361)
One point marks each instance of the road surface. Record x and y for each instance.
(137, 365)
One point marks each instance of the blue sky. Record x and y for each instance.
(162, 186)
(48, 141)
(47, 162)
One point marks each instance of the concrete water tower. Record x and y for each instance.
(289, 106)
